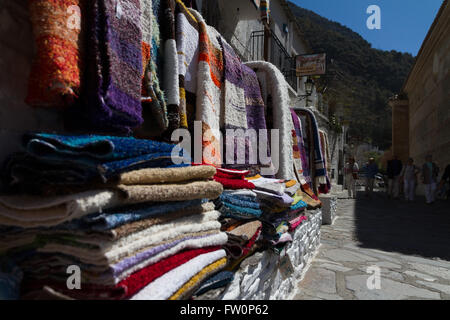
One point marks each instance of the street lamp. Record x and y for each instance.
(309, 84)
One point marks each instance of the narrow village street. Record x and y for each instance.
(217, 151)
(410, 242)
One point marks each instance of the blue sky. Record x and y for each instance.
(404, 23)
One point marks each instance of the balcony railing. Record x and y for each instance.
(277, 55)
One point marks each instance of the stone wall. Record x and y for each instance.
(260, 277)
(329, 208)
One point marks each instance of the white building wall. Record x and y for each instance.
(238, 19)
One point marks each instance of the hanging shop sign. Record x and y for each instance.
(310, 64)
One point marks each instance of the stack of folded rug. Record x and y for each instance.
(240, 212)
(283, 209)
(148, 224)
(257, 213)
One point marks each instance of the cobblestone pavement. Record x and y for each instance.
(409, 242)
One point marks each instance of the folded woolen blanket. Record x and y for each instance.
(281, 215)
(247, 230)
(29, 211)
(156, 253)
(186, 291)
(16, 241)
(136, 226)
(112, 274)
(282, 228)
(44, 293)
(166, 175)
(170, 283)
(143, 277)
(231, 173)
(112, 88)
(104, 156)
(233, 266)
(219, 280)
(294, 223)
(143, 222)
(246, 249)
(24, 173)
(112, 252)
(298, 202)
(285, 237)
(292, 188)
(277, 218)
(55, 74)
(277, 200)
(229, 224)
(234, 183)
(134, 282)
(275, 186)
(247, 211)
(90, 147)
(311, 202)
(171, 192)
(104, 244)
(34, 211)
(10, 279)
(291, 183)
(118, 216)
(225, 175)
(240, 201)
(239, 237)
(243, 193)
(234, 239)
(236, 212)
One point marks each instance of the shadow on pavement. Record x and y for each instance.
(404, 227)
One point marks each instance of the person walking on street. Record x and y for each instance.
(409, 177)
(371, 171)
(444, 184)
(394, 168)
(351, 175)
(430, 173)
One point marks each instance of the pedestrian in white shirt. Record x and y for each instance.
(409, 177)
(430, 172)
(351, 175)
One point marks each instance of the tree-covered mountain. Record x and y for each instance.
(360, 79)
